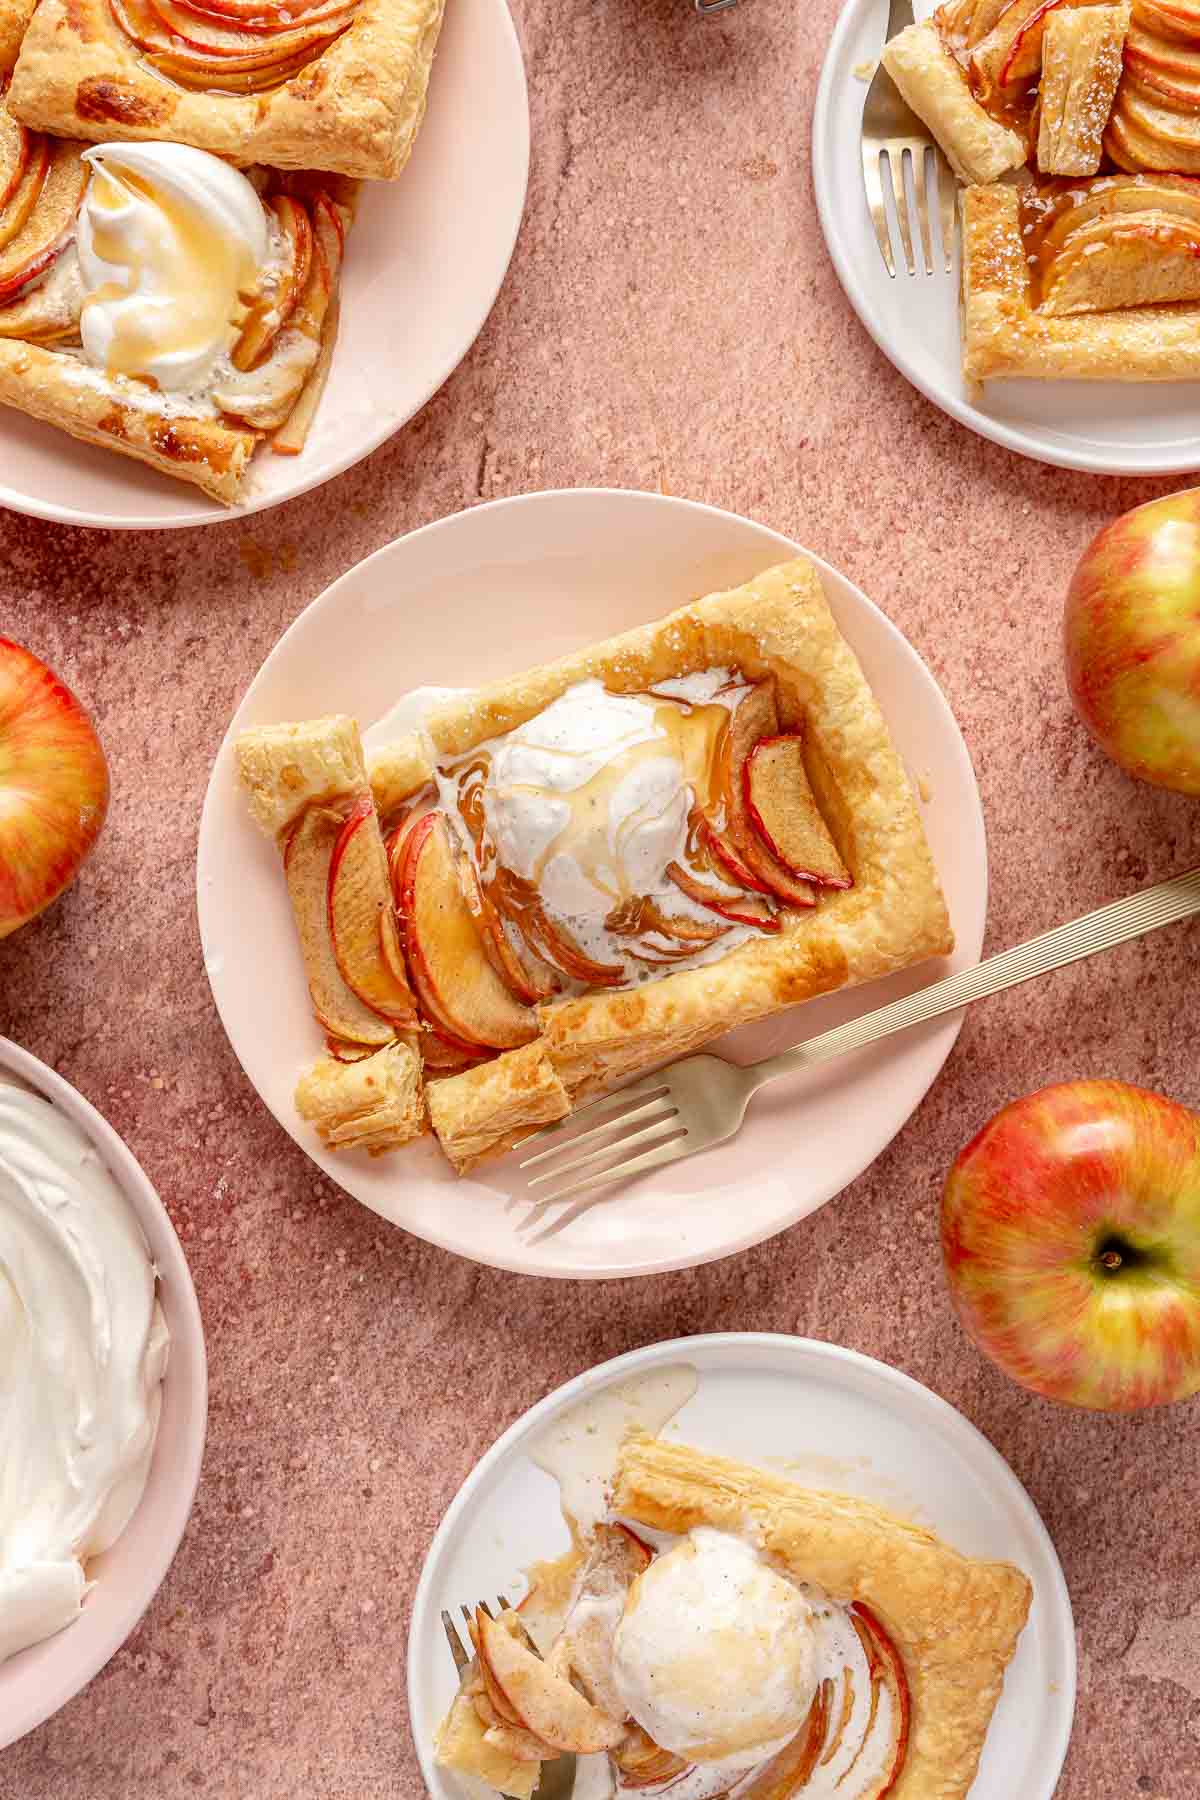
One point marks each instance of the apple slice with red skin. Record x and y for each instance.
(524, 1689)
(887, 1667)
(19, 205)
(50, 225)
(780, 803)
(348, 1053)
(729, 862)
(792, 1768)
(455, 983)
(448, 1056)
(757, 718)
(519, 902)
(307, 860)
(53, 786)
(359, 908)
(16, 146)
(397, 841)
(269, 314)
(740, 909)
(637, 918)
(523, 984)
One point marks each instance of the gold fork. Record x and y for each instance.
(702, 1101)
(557, 1779)
(891, 135)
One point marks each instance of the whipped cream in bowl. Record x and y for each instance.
(102, 1392)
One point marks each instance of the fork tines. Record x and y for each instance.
(458, 1649)
(611, 1148)
(888, 170)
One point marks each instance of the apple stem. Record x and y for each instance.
(1111, 1259)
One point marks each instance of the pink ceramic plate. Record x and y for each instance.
(485, 593)
(40, 1680)
(424, 264)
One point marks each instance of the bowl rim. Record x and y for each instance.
(69, 1672)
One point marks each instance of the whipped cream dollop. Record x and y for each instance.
(83, 1349)
(590, 798)
(170, 239)
(715, 1654)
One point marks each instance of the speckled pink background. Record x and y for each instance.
(670, 318)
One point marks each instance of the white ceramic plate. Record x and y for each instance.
(485, 593)
(824, 1417)
(1110, 428)
(424, 264)
(39, 1680)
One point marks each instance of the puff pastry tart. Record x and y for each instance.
(1099, 281)
(337, 85)
(157, 302)
(605, 862)
(760, 1640)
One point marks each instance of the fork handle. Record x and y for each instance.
(1132, 917)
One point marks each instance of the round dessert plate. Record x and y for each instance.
(818, 1415)
(486, 593)
(37, 1681)
(424, 263)
(1110, 428)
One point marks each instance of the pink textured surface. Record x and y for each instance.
(670, 318)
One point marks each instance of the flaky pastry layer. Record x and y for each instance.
(354, 110)
(894, 914)
(954, 1620)
(1005, 336)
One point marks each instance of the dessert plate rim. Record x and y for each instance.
(763, 1357)
(1100, 428)
(675, 549)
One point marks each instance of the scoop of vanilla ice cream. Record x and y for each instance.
(584, 801)
(715, 1653)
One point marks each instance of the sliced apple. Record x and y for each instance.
(522, 1688)
(18, 208)
(526, 985)
(348, 1053)
(292, 435)
(790, 1771)
(729, 861)
(644, 916)
(756, 718)
(456, 984)
(886, 1666)
(16, 146)
(447, 1055)
(360, 907)
(741, 909)
(642, 1763)
(519, 902)
(780, 803)
(306, 866)
(269, 313)
(521, 1745)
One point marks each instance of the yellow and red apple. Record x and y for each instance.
(53, 786)
(1071, 1238)
(1131, 641)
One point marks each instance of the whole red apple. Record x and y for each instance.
(1131, 639)
(53, 786)
(1071, 1235)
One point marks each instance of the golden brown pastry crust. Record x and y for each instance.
(1004, 336)
(492, 1107)
(954, 1620)
(14, 17)
(375, 1104)
(976, 146)
(893, 916)
(1081, 66)
(355, 109)
(208, 453)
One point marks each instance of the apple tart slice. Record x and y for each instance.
(602, 863)
(158, 303)
(723, 1631)
(1082, 61)
(1096, 281)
